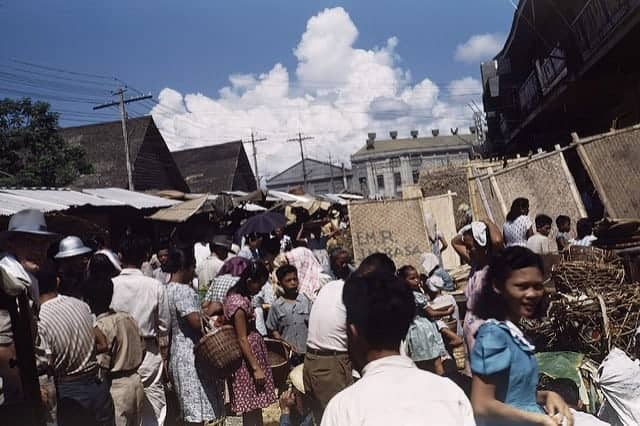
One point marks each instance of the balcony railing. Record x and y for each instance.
(529, 93)
(552, 69)
(596, 20)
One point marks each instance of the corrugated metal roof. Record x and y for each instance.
(135, 199)
(52, 199)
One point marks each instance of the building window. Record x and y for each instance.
(397, 181)
(363, 185)
(416, 162)
(380, 179)
(416, 175)
(395, 162)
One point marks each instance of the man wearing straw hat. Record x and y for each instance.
(72, 259)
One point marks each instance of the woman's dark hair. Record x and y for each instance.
(47, 277)
(584, 227)
(98, 294)
(491, 304)
(179, 258)
(517, 206)
(380, 306)
(255, 271)
(282, 271)
(101, 268)
(404, 271)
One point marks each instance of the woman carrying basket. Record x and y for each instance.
(252, 385)
(200, 396)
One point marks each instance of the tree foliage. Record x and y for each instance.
(32, 153)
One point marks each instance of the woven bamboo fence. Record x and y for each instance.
(544, 179)
(394, 227)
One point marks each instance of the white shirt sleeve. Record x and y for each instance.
(164, 315)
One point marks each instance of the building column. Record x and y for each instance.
(405, 171)
(389, 184)
(372, 182)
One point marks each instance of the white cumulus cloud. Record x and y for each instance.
(337, 94)
(479, 47)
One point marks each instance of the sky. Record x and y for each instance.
(220, 70)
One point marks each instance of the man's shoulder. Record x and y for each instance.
(331, 287)
(138, 279)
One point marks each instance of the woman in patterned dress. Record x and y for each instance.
(200, 396)
(252, 385)
(518, 226)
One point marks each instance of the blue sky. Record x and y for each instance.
(193, 47)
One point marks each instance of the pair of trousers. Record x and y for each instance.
(154, 410)
(324, 376)
(84, 401)
(128, 399)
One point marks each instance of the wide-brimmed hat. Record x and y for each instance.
(296, 378)
(28, 221)
(71, 246)
(222, 241)
(429, 262)
(435, 283)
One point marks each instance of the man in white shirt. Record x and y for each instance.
(327, 367)
(220, 246)
(145, 299)
(392, 390)
(540, 243)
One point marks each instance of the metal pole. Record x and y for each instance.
(123, 116)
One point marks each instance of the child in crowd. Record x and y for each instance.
(120, 352)
(584, 231)
(443, 307)
(424, 343)
(568, 390)
(540, 243)
(564, 231)
(288, 317)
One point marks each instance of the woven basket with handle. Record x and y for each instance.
(220, 349)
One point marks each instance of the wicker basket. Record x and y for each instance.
(220, 350)
(278, 354)
(451, 323)
(459, 355)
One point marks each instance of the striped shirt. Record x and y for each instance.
(66, 329)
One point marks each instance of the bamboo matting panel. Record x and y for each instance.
(441, 208)
(613, 163)
(394, 227)
(543, 181)
(440, 181)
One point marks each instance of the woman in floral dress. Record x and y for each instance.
(252, 385)
(200, 395)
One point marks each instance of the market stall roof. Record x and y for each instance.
(12, 200)
(138, 200)
(181, 212)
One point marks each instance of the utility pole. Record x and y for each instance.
(300, 139)
(333, 189)
(344, 179)
(123, 115)
(255, 157)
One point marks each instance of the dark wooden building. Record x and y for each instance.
(566, 66)
(153, 164)
(217, 168)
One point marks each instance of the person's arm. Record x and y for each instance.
(272, 324)
(485, 405)
(530, 232)
(435, 314)
(451, 337)
(212, 308)
(102, 345)
(443, 240)
(240, 324)
(497, 241)
(194, 319)
(460, 248)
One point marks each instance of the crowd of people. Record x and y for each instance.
(115, 329)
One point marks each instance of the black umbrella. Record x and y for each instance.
(263, 223)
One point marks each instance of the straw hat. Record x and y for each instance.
(295, 376)
(28, 221)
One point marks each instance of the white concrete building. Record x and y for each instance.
(382, 167)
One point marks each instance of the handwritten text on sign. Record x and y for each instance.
(383, 241)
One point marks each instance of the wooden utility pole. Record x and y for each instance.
(300, 139)
(255, 157)
(123, 115)
(333, 189)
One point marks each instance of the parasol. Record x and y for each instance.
(263, 223)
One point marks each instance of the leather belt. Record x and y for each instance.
(322, 352)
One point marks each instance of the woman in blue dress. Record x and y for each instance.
(424, 342)
(505, 371)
